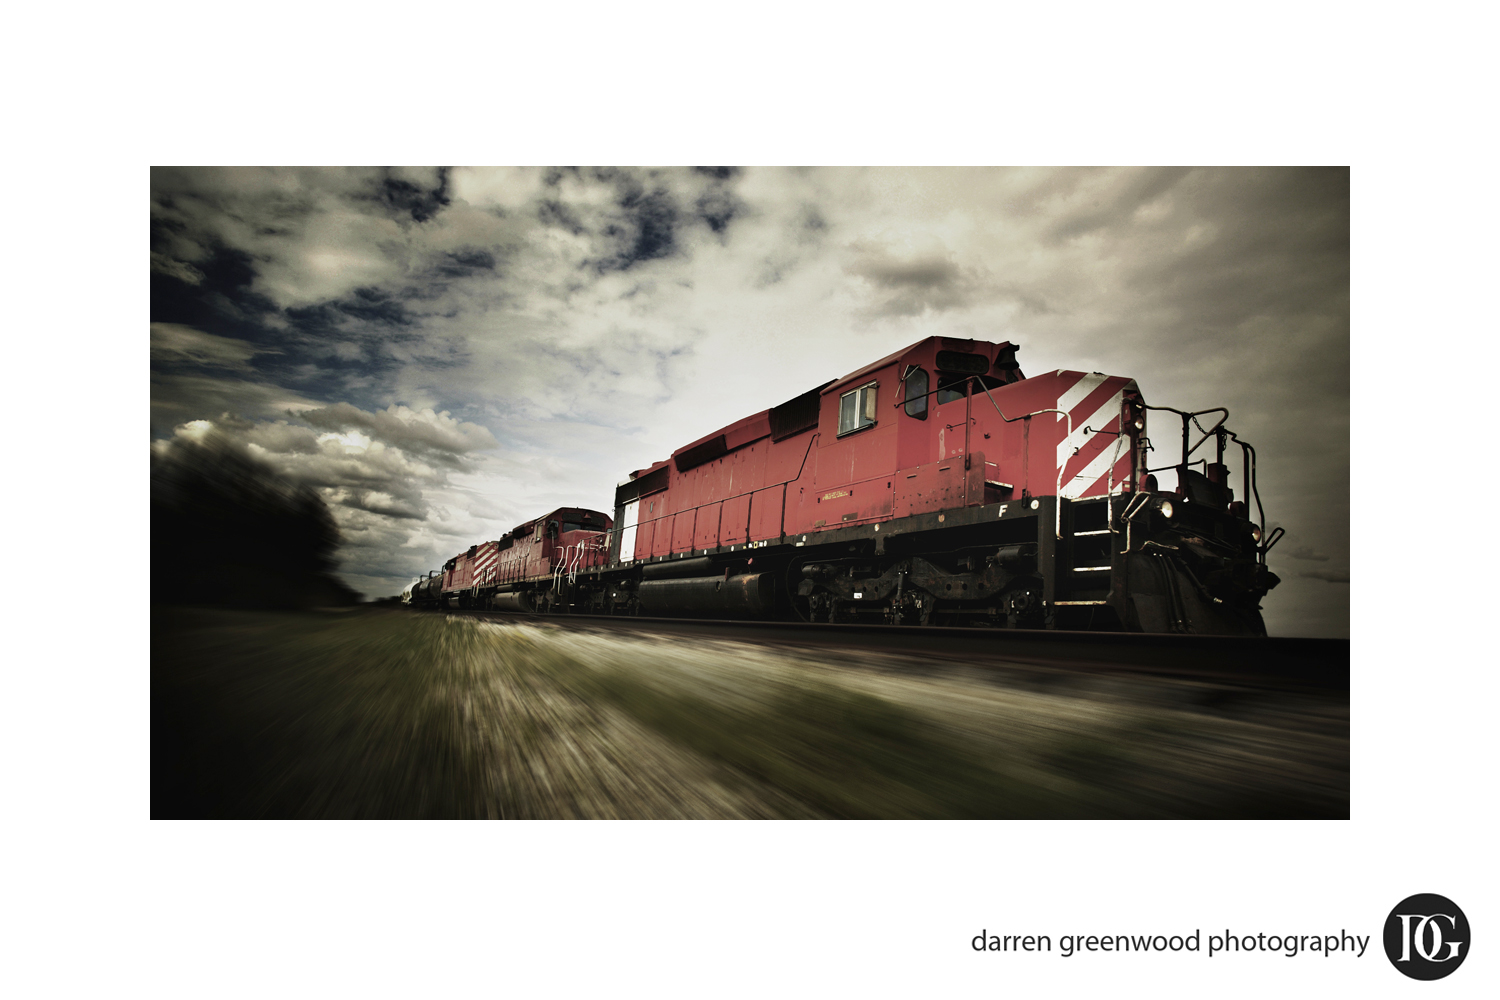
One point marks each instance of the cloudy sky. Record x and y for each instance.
(444, 353)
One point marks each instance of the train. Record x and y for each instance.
(937, 486)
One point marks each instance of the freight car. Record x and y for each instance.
(938, 485)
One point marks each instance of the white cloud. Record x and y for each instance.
(422, 431)
(181, 270)
(175, 342)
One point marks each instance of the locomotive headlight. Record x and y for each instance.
(1140, 423)
(1166, 509)
(1255, 533)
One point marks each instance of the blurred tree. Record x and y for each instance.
(227, 529)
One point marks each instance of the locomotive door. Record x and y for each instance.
(953, 414)
(627, 532)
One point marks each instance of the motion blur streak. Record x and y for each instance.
(373, 713)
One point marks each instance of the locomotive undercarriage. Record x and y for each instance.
(998, 587)
(1096, 564)
(1090, 568)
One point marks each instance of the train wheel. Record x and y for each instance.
(1023, 609)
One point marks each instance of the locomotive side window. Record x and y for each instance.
(857, 409)
(916, 394)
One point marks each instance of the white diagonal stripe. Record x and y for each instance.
(1099, 420)
(1089, 474)
(1079, 392)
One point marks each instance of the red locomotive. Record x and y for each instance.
(937, 485)
(529, 568)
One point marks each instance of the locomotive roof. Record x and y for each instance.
(889, 359)
(757, 424)
(749, 424)
(967, 345)
(526, 526)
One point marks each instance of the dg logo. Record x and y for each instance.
(1426, 936)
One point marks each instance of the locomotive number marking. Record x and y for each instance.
(835, 494)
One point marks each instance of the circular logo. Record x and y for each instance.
(1426, 936)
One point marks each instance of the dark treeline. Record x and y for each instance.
(227, 530)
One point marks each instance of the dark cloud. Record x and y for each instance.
(646, 213)
(554, 212)
(178, 397)
(369, 311)
(555, 176)
(377, 306)
(1308, 552)
(277, 436)
(717, 206)
(435, 435)
(464, 263)
(1115, 207)
(1239, 244)
(1330, 575)
(173, 344)
(181, 270)
(404, 508)
(221, 294)
(921, 274)
(643, 229)
(420, 202)
(910, 285)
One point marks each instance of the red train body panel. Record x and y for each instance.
(902, 436)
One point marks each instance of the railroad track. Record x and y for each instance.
(1288, 664)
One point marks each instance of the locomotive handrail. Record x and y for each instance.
(1010, 420)
(1251, 464)
(1221, 422)
(1137, 504)
(1109, 485)
(1252, 474)
(1186, 451)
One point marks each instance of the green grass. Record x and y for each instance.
(843, 753)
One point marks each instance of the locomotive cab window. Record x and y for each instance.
(951, 387)
(916, 394)
(988, 382)
(857, 409)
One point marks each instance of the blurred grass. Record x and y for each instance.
(386, 713)
(842, 752)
